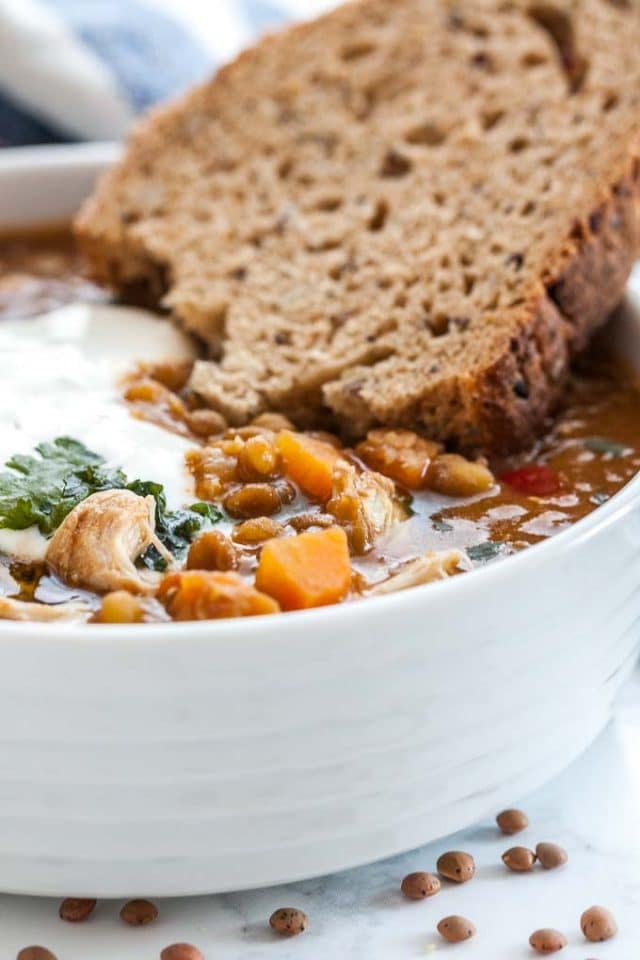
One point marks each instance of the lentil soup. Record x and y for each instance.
(266, 518)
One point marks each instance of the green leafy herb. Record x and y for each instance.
(489, 550)
(601, 445)
(177, 528)
(41, 490)
(207, 510)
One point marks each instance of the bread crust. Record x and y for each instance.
(515, 395)
(504, 406)
(497, 401)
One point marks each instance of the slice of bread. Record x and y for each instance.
(409, 213)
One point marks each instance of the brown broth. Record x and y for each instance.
(594, 447)
(39, 271)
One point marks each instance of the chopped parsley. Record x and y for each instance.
(601, 445)
(42, 490)
(177, 528)
(489, 550)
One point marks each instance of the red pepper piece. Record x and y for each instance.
(534, 480)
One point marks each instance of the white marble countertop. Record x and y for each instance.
(592, 810)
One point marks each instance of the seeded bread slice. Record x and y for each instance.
(408, 213)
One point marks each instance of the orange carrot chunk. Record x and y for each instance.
(211, 595)
(310, 570)
(308, 462)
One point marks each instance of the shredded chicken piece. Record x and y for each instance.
(12, 609)
(433, 566)
(96, 545)
(364, 504)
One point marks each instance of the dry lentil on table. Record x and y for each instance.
(511, 822)
(551, 856)
(139, 913)
(181, 951)
(420, 885)
(456, 929)
(288, 921)
(519, 859)
(35, 953)
(548, 941)
(75, 910)
(457, 866)
(598, 924)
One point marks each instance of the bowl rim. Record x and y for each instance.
(96, 156)
(54, 156)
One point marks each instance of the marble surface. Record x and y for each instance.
(592, 810)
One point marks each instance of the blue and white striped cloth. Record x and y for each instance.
(82, 69)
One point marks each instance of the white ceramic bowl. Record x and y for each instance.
(187, 758)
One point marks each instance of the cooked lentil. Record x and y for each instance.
(212, 550)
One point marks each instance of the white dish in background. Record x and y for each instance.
(184, 758)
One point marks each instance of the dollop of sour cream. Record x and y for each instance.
(60, 376)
